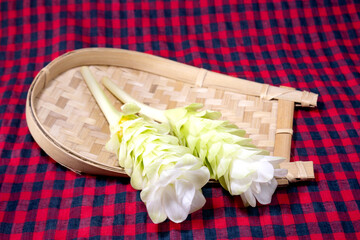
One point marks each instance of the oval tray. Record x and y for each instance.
(68, 125)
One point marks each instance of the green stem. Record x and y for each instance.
(112, 115)
(153, 113)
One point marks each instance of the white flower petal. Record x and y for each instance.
(240, 185)
(167, 177)
(185, 192)
(275, 161)
(198, 177)
(156, 211)
(249, 196)
(280, 172)
(267, 190)
(240, 169)
(255, 187)
(151, 196)
(175, 211)
(243, 198)
(265, 172)
(198, 201)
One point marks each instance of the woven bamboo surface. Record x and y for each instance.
(70, 114)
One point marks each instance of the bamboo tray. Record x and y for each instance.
(66, 122)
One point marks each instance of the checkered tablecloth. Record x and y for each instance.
(310, 45)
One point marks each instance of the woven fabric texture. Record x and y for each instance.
(309, 45)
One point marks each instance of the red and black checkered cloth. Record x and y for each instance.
(310, 45)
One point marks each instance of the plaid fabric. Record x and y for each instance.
(310, 45)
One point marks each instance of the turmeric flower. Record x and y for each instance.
(239, 166)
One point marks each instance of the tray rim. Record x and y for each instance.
(79, 164)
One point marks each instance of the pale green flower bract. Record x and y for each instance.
(239, 166)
